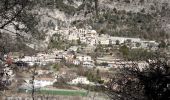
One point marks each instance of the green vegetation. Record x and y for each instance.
(59, 4)
(162, 44)
(58, 42)
(140, 54)
(136, 54)
(94, 76)
(124, 50)
(63, 7)
(56, 67)
(78, 42)
(92, 88)
(64, 92)
(117, 42)
(122, 23)
(59, 92)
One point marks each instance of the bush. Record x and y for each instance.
(56, 67)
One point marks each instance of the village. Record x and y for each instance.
(77, 66)
(84, 49)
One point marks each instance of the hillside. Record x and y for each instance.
(148, 19)
(132, 18)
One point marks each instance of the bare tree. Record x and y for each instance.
(10, 10)
(32, 82)
(150, 83)
(18, 20)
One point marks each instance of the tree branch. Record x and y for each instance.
(15, 16)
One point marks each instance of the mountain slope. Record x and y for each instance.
(134, 18)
